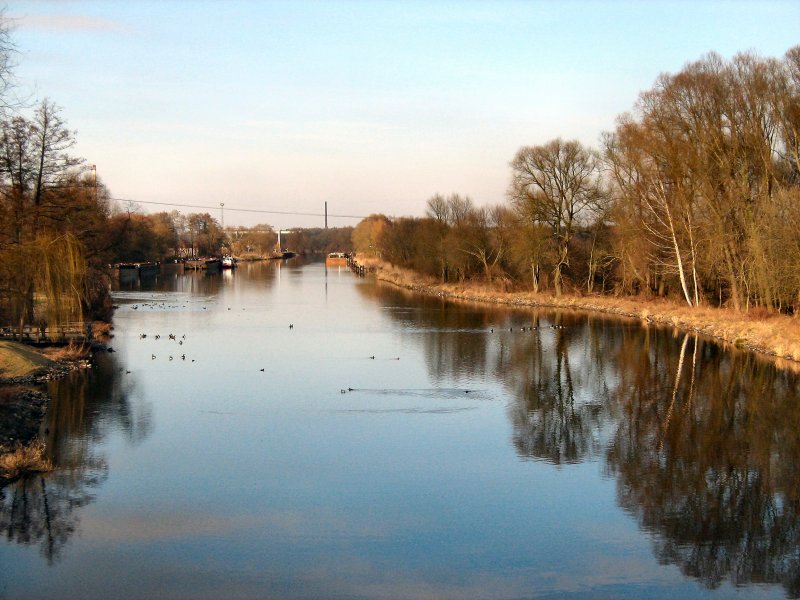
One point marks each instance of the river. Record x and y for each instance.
(292, 431)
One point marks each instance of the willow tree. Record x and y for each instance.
(55, 268)
(556, 184)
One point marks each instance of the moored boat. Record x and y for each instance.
(228, 262)
(135, 270)
(205, 264)
(336, 259)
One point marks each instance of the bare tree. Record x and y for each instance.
(51, 141)
(482, 237)
(16, 167)
(557, 184)
(437, 208)
(664, 198)
(790, 114)
(8, 53)
(458, 208)
(35, 166)
(700, 167)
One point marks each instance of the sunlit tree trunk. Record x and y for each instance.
(535, 276)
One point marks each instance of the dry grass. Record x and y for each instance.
(71, 351)
(25, 459)
(245, 256)
(759, 330)
(101, 330)
(17, 360)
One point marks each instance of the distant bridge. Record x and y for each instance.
(223, 207)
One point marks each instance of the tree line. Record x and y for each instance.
(174, 235)
(694, 195)
(60, 230)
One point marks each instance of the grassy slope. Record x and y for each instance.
(771, 334)
(18, 360)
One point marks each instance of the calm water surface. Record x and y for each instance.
(315, 435)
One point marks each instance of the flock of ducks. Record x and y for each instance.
(173, 337)
(532, 328)
(157, 336)
(153, 305)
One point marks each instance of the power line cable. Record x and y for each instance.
(252, 210)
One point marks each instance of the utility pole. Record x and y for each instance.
(94, 171)
(222, 214)
(326, 214)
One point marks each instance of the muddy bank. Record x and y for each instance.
(24, 403)
(770, 334)
(21, 413)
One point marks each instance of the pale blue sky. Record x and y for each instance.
(372, 106)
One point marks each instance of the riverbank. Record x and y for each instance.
(767, 333)
(18, 360)
(21, 364)
(23, 407)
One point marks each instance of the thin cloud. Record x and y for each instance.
(67, 23)
(341, 132)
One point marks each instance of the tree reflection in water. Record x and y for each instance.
(43, 509)
(701, 440)
(560, 413)
(85, 407)
(702, 443)
(709, 467)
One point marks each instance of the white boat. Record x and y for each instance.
(228, 262)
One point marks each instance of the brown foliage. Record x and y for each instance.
(25, 459)
(778, 335)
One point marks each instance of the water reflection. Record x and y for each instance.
(172, 277)
(562, 406)
(706, 459)
(43, 510)
(86, 406)
(290, 462)
(452, 337)
(702, 441)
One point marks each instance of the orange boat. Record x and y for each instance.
(336, 259)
